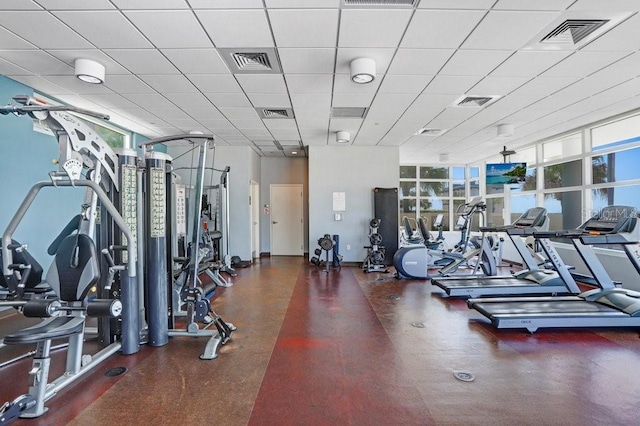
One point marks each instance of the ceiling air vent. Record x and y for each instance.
(573, 31)
(425, 131)
(251, 61)
(348, 112)
(258, 61)
(380, 3)
(475, 101)
(275, 113)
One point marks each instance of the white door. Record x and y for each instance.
(255, 220)
(286, 215)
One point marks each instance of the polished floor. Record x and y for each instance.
(349, 348)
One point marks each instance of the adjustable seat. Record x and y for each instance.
(74, 271)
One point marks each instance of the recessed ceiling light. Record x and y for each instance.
(294, 152)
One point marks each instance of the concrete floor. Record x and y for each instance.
(349, 348)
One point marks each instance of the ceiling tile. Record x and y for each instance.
(151, 4)
(269, 100)
(215, 83)
(352, 99)
(9, 69)
(623, 37)
(544, 86)
(280, 123)
(425, 61)
(311, 111)
(310, 4)
(236, 28)
(533, 5)
(30, 27)
(8, 40)
(142, 61)
(169, 83)
(189, 100)
(304, 27)
(285, 133)
(196, 61)
(249, 126)
(451, 84)
(22, 5)
(154, 25)
(307, 61)
(434, 29)
(262, 83)
(309, 83)
(37, 62)
(112, 100)
(404, 83)
(72, 83)
(40, 84)
(583, 63)
(148, 101)
(311, 101)
(226, 4)
(495, 85)
(529, 63)
(229, 99)
(105, 29)
(127, 84)
(507, 30)
(458, 4)
(215, 123)
(591, 5)
(243, 113)
(372, 28)
(75, 4)
(474, 62)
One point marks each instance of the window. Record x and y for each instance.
(564, 209)
(620, 132)
(563, 175)
(618, 195)
(427, 191)
(616, 166)
(568, 146)
(520, 204)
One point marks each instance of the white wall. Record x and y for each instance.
(354, 171)
(280, 170)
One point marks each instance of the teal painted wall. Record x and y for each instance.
(25, 158)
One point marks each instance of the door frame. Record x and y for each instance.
(255, 219)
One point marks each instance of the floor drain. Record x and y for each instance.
(418, 324)
(116, 371)
(393, 297)
(463, 376)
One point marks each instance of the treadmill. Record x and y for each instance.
(533, 280)
(608, 306)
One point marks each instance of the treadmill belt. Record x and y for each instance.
(561, 309)
(485, 282)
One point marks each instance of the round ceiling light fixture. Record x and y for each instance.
(89, 71)
(363, 70)
(343, 136)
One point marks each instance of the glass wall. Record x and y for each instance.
(426, 191)
(572, 176)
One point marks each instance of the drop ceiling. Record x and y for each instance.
(168, 68)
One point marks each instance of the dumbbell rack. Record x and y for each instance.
(374, 262)
(326, 244)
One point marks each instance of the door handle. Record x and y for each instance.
(274, 222)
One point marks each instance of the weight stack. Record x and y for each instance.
(385, 208)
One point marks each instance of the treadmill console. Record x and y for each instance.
(611, 220)
(532, 217)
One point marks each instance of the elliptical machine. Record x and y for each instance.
(413, 261)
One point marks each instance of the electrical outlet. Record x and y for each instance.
(348, 246)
